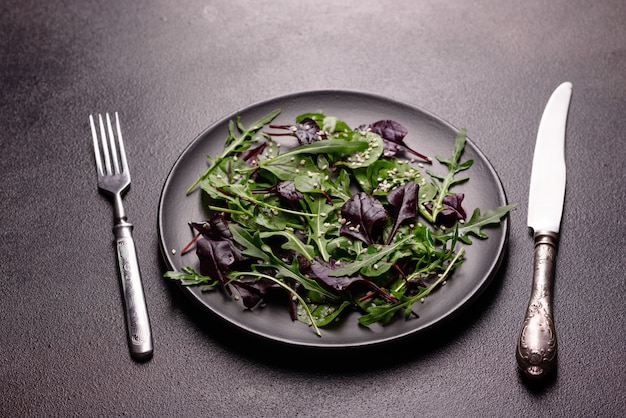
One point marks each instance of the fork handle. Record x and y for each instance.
(136, 312)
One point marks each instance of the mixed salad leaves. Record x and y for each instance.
(339, 221)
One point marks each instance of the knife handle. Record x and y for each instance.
(537, 344)
(137, 321)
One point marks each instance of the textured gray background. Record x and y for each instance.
(173, 68)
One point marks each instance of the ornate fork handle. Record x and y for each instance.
(137, 321)
(537, 345)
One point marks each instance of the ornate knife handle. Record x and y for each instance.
(137, 321)
(537, 346)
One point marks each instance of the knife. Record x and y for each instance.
(537, 344)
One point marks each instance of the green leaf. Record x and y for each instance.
(190, 277)
(251, 243)
(293, 243)
(319, 224)
(328, 124)
(385, 313)
(474, 226)
(333, 146)
(322, 314)
(368, 259)
(367, 156)
(289, 169)
(443, 184)
(233, 141)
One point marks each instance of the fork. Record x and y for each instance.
(114, 181)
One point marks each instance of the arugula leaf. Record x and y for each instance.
(234, 141)
(319, 224)
(442, 184)
(293, 243)
(190, 277)
(474, 226)
(322, 314)
(385, 313)
(369, 259)
(330, 147)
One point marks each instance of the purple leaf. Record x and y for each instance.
(389, 130)
(364, 217)
(393, 134)
(404, 202)
(306, 131)
(251, 155)
(452, 210)
(321, 270)
(252, 291)
(215, 257)
(216, 228)
(285, 189)
(215, 248)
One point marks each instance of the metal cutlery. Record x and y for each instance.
(114, 181)
(537, 345)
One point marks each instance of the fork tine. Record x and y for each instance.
(96, 148)
(121, 145)
(105, 147)
(116, 165)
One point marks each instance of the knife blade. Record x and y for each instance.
(537, 344)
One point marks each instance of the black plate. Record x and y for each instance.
(427, 134)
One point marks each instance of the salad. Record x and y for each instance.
(325, 219)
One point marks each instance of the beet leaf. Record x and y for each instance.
(365, 216)
(404, 202)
